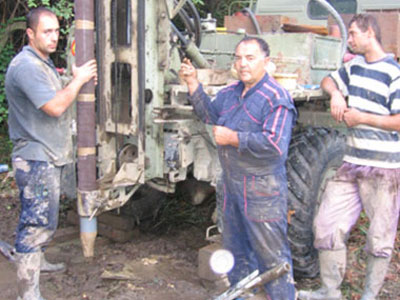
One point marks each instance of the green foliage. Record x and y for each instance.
(228, 7)
(5, 150)
(64, 9)
(6, 55)
(37, 3)
(198, 2)
(5, 147)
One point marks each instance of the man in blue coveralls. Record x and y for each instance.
(252, 123)
(40, 129)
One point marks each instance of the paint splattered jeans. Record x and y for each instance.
(39, 190)
(352, 189)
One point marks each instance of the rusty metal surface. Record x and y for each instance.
(118, 74)
(86, 116)
(267, 23)
(310, 56)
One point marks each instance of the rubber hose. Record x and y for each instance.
(186, 21)
(197, 22)
(339, 20)
(253, 20)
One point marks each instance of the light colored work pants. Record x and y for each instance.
(352, 189)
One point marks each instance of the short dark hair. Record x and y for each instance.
(364, 21)
(32, 18)
(261, 42)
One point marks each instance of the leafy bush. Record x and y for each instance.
(6, 55)
(5, 147)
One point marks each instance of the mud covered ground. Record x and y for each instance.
(155, 264)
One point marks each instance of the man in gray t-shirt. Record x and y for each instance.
(31, 82)
(39, 125)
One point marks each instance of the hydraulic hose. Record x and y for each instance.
(178, 8)
(253, 19)
(339, 21)
(141, 31)
(187, 22)
(193, 26)
(191, 50)
(196, 21)
(180, 36)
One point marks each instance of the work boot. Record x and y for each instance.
(48, 267)
(376, 271)
(332, 265)
(28, 274)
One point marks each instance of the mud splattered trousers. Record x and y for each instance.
(39, 191)
(353, 188)
(255, 225)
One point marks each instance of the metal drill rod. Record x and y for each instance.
(253, 280)
(8, 251)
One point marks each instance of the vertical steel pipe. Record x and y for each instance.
(141, 56)
(86, 123)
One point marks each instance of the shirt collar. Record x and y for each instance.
(256, 87)
(31, 50)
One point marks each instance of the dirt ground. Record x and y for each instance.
(151, 266)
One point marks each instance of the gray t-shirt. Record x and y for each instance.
(30, 83)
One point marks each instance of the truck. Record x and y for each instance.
(147, 137)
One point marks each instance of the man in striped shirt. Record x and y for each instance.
(252, 123)
(369, 177)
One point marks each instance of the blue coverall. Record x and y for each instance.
(254, 176)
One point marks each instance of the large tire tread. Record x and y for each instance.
(312, 151)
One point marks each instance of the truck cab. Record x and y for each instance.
(311, 12)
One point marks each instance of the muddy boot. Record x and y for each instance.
(376, 271)
(28, 274)
(332, 268)
(47, 267)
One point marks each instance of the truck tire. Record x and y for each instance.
(314, 155)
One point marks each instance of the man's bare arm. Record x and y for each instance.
(354, 117)
(64, 98)
(338, 102)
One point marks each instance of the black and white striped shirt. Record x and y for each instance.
(373, 88)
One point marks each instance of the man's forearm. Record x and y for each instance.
(329, 86)
(63, 99)
(391, 123)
